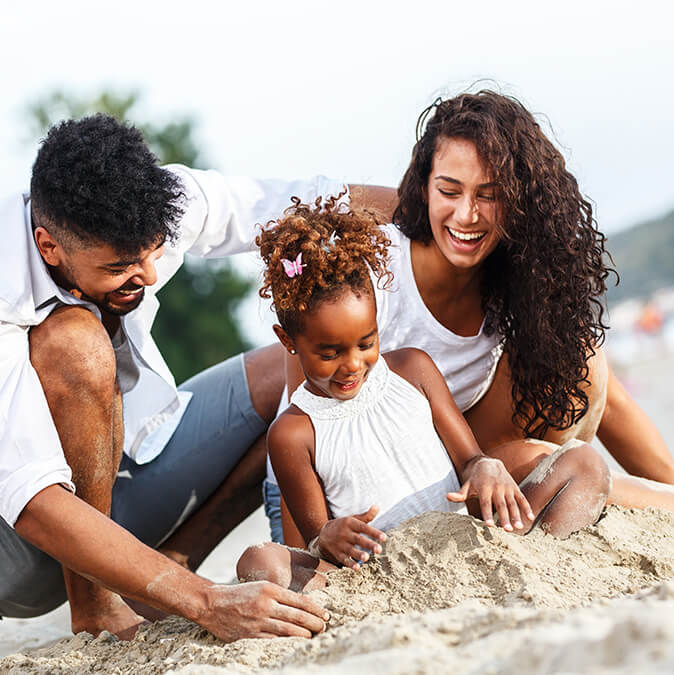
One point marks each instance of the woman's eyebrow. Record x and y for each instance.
(481, 186)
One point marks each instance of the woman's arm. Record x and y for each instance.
(631, 437)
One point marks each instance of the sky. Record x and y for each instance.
(292, 89)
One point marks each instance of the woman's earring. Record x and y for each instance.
(293, 352)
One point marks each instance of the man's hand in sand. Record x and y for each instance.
(340, 537)
(261, 609)
(488, 480)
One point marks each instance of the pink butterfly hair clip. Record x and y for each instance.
(293, 267)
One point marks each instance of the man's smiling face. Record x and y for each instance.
(115, 282)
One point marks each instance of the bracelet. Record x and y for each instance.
(313, 547)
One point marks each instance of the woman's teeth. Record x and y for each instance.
(466, 236)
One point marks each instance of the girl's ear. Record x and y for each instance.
(285, 339)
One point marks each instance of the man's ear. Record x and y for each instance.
(285, 339)
(49, 248)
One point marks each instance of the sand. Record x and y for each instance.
(447, 593)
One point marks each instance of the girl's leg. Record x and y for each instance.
(288, 567)
(567, 489)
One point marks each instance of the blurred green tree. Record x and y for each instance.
(195, 327)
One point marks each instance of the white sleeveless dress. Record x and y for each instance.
(380, 448)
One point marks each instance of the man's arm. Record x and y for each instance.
(89, 543)
(381, 200)
(632, 438)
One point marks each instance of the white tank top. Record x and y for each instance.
(380, 448)
(468, 364)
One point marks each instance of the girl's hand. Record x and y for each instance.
(339, 537)
(487, 479)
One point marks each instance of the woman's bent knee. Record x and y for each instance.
(591, 468)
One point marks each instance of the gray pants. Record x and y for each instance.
(150, 500)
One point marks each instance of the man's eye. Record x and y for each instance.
(328, 357)
(369, 345)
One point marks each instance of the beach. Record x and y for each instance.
(447, 593)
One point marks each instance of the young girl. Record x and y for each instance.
(368, 440)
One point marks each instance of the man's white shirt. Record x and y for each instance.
(221, 215)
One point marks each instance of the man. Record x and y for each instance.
(91, 423)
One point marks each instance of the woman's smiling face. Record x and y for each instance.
(463, 204)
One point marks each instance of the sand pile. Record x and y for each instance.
(448, 592)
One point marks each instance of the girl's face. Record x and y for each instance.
(339, 345)
(463, 206)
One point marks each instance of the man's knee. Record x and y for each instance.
(72, 348)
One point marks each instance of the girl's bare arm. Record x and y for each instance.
(482, 477)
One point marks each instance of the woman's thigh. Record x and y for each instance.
(491, 419)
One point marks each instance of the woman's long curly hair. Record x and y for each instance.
(339, 248)
(542, 285)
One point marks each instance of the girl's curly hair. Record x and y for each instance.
(542, 286)
(339, 248)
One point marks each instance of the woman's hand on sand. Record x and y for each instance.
(487, 479)
(340, 537)
(261, 609)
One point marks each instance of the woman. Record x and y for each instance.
(500, 275)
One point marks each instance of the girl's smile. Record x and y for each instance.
(338, 344)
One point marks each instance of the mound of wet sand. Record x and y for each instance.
(447, 592)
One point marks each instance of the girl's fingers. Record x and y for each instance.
(514, 509)
(525, 507)
(369, 515)
(363, 528)
(502, 510)
(368, 544)
(461, 495)
(486, 509)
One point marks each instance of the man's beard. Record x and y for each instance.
(121, 310)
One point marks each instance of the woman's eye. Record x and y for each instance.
(448, 193)
(369, 345)
(487, 198)
(328, 357)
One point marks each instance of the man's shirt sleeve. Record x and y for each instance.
(31, 457)
(223, 214)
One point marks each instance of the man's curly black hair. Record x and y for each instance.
(542, 286)
(95, 181)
